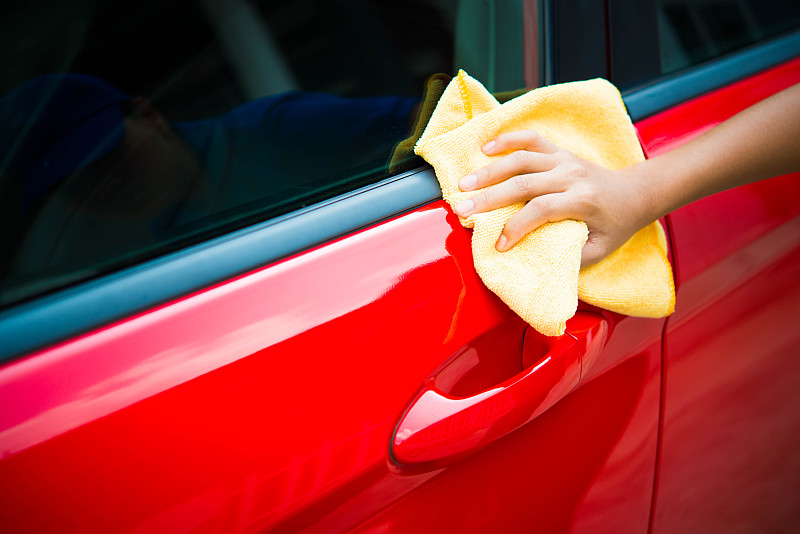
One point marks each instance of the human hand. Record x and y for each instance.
(557, 185)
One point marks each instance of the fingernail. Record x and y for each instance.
(468, 182)
(501, 243)
(464, 208)
(488, 147)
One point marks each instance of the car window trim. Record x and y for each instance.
(668, 91)
(65, 314)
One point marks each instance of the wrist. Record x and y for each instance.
(645, 199)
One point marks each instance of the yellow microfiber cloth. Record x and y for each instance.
(540, 277)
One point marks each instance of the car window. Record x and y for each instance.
(694, 31)
(129, 130)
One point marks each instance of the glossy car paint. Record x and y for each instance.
(729, 459)
(438, 426)
(268, 402)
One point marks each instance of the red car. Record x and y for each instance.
(201, 360)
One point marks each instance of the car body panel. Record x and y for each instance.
(268, 402)
(728, 458)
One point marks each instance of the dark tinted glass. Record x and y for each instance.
(693, 31)
(130, 129)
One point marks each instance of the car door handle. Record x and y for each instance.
(439, 427)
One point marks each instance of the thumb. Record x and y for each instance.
(593, 251)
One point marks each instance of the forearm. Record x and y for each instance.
(760, 142)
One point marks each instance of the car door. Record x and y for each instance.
(249, 373)
(727, 460)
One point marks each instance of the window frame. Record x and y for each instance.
(636, 61)
(65, 312)
(50, 319)
(68, 312)
(570, 45)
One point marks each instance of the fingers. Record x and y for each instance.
(521, 140)
(527, 173)
(532, 153)
(518, 188)
(517, 163)
(593, 251)
(540, 210)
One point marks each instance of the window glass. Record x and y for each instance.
(131, 129)
(693, 31)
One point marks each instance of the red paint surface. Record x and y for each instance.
(269, 402)
(440, 426)
(729, 458)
